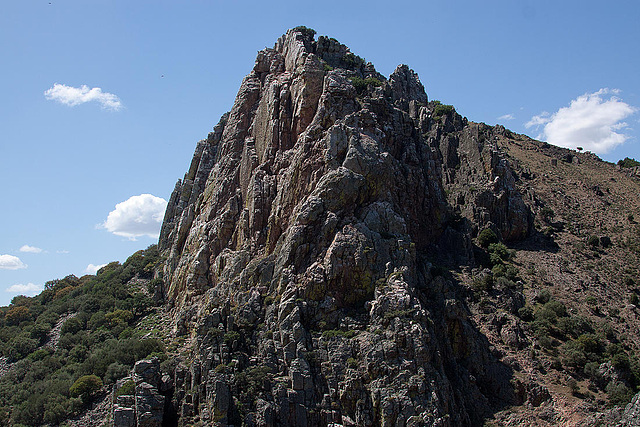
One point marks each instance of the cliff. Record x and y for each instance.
(306, 239)
(336, 255)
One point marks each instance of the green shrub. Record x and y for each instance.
(508, 272)
(586, 348)
(546, 342)
(526, 313)
(593, 241)
(16, 315)
(115, 371)
(592, 371)
(547, 315)
(621, 362)
(85, 386)
(574, 326)
(499, 253)
(543, 296)
(306, 31)
(482, 283)
(40, 354)
(628, 163)
(231, 336)
(396, 313)
(19, 347)
(573, 355)
(78, 354)
(57, 408)
(591, 343)
(499, 270)
(127, 389)
(361, 85)
(253, 380)
(618, 393)
(541, 326)
(352, 62)
(72, 326)
(41, 331)
(504, 283)
(547, 214)
(557, 307)
(118, 317)
(442, 110)
(338, 333)
(511, 273)
(487, 237)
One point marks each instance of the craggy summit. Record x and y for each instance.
(302, 246)
(336, 255)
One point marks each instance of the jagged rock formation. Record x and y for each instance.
(138, 400)
(302, 249)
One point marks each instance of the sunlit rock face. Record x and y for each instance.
(300, 250)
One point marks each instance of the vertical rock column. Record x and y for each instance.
(145, 407)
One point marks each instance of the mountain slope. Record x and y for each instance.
(345, 251)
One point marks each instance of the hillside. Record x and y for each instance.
(67, 346)
(344, 251)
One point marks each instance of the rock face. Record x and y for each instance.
(137, 399)
(301, 250)
(631, 415)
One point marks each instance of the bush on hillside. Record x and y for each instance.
(487, 237)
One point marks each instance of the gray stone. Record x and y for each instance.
(147, 371)
(123, 416)
(149, 406)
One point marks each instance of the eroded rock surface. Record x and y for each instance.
(301, 248)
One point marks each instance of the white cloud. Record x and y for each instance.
(72, 96)
(506, 117)
(538, 120)
(593, 121)
(137, 216)
(28, 289)
(10, 262)
(62, 251)
(93, 269)
(30, 249)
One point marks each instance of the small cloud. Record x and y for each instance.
(137, 216)
(72, 96)
(593, 121)
(93, 269)
(10, 262)
(29, 289)
(62, 251)
(506, 117)
(541, 119)
(30, 249)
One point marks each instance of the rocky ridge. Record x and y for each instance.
(319, 252)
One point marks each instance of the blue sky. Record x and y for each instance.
(102, 101)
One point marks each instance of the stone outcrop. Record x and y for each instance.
(138, 401)
(631, 415)
(301, 250)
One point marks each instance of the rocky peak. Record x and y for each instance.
(406, 87)
(300, 247)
